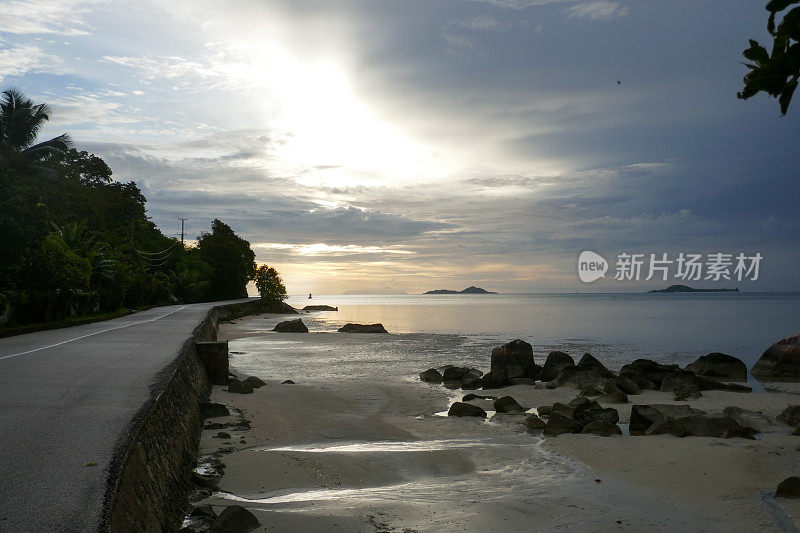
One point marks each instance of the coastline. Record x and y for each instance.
(377, 457)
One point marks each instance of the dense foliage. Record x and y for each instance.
(269, 284)
(776, 73)
(75, 242)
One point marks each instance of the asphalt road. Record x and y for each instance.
(66, 398)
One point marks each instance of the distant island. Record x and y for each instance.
(684, 288)
(468, 290)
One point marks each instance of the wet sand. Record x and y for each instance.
(373, 455)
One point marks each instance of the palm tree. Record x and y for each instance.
(20, 122)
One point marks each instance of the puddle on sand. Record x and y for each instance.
(399, 446)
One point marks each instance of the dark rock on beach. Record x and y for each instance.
(466, 409)
(648, 370)
(788, 488)
(644, 416)
(720, 366)
(469, 397)
(516, 358)
(240, 387)
(590, 362)
(686, 391)
(578, 378)
(255, 381)
(591, 390)
(287, 382)
(363, 328)
(790, 416)
(495, 379)
(431, 376)
(320, 308)
(683, 421)
(601, 428)
(781, 361)
(558, 424)
(213, 410)
(556, 362)
(534, 423)
(291, 326)
(614, 397)
(507, 404)
(235, 519)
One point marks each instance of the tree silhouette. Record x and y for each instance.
(20, 122)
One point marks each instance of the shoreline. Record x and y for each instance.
(325, 457)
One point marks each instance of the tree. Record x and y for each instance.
(231, 260)
(269, 284)
(20, 122)
(775, 73)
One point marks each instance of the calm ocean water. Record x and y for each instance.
(615, 327)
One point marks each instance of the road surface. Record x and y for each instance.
(66, 399)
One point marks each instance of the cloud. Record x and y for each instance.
(64, 17)
(25, 59)
(597, 10)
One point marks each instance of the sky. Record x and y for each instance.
(379, 146)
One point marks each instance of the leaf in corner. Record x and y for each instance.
(786, 95)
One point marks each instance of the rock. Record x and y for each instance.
(544, 410)
(579, 378)
(702, 425)
(591, 390)
(649, 370)
(611, 387)
(213, 410)
(644, 416)
(534, 423)
(522, 381)
(363, 328)
(320, 308)
(781, 361)
(627, 385)
(495, 379)
(431, 376)
(235, 519)
(602, 428)
(642, 382)
(558, 424)
(719, 365)
(471, 382)
(240, 387)
(452, 384)
(466, 409)
(454, 373)
(684, 377)
(563, 409)
(287, 382)
(796, 432)
(788, 488)
(516, 357)
(686, 391)
(507, 404)
(589, 362)
(203, 511)
(580, 400)
(556, 361)
(470, 397)
(790, 416)
(593, 412)
(291, 326)
(614, 397)
(755, 419)
(257, 383)
(222, 435)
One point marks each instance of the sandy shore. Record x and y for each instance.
(377, 457)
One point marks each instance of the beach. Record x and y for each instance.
(357, 444)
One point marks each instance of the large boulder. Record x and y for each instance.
(788, 488)
(591, 390)
(754, 419)
(495, 379)
(614, 397)
(641, 381)
(649, 370)
(573, 376)
(235, 519)
(556, 361)
(291, 326)
(685, 377)
(516, 357)
(466, 409)
(590, 362)
(508, 405)
(781, 361)
(593, 412)
(558, 424)
(601, 428)
(534, 423)
(790, 416)
(686, 391)
(213, 410)
(644, 416)
(362, 328)
(431, 376)
(720, 366)
(255, 381)
(626, 384)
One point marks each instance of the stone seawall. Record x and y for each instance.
(150, 474)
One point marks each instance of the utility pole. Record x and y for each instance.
(182, 222)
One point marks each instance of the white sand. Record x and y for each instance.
(374, 457)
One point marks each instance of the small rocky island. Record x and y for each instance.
(685, 288)
(469, 290)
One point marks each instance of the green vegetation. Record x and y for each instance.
(776, 73)
(269, 284)
(76, 243)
